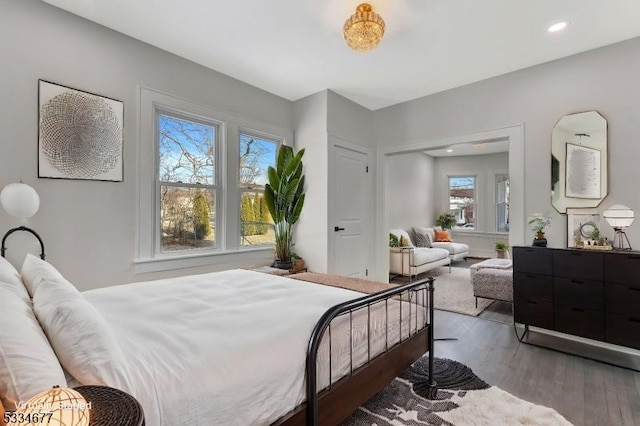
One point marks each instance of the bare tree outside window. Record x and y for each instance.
(187, 182)
(256, 155)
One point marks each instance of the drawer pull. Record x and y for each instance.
(532, 302)
(634, 320)
(577, 310)
(577, 281)
(531, 276)
(575, 253)
(633, 256)
(634, 288)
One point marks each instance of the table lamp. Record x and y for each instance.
(55, 407)
(620, 218)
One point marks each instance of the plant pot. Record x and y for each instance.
(298, 264)
(540, 236)
(283, 265)
(501, 254)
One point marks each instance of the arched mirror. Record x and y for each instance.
(579, 161)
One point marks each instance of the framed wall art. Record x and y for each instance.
(583, 172)
(79, 134)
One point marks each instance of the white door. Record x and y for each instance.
(351, 190)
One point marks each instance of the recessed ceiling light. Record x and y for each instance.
(449, 150)
(557, 27)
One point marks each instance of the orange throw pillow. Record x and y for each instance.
(442, 237)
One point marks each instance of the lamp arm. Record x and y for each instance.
(3, 249)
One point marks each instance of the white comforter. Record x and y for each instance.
(226, 348)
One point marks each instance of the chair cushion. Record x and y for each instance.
(442, 236)
(452, 248)
(421, 237)
(422, 255)
(400, 233)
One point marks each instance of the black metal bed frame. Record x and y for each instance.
(410, 293)
(3, 249)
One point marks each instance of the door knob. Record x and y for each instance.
(337, 228)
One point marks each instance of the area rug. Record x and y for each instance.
(454, 293)
(463, 399)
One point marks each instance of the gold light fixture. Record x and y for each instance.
(364, 29)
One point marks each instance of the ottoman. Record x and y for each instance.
(493, 279)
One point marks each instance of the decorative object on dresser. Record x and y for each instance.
(620, 218)
(284, 195)
(80, 134)
(583, 230)
(21, 201)
(539, 223)
(594, 295)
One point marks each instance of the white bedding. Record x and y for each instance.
(229, 348)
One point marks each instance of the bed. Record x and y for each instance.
(232, 347)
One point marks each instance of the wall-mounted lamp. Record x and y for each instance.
(620, 218)
(21, 201)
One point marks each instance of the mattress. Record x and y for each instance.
(229, 347)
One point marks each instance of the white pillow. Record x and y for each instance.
(11, 278)
(80, 336)
(28, 364)
(35, 270)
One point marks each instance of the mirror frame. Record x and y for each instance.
(586, 135)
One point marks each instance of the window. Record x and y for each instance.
(462, 200)
(187, 184)
(256, 155)
(502, 203)
(192, 184)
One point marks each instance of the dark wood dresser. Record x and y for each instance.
(592, 294)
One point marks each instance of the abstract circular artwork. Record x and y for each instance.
(80, 135)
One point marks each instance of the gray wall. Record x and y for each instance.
(89, 227)
(604, 79)
(412, 197)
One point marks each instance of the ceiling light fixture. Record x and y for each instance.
(557, 27)
(364, 29)
(449, 150)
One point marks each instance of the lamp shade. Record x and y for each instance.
(58, 407)
(619, 216)
(20, 200)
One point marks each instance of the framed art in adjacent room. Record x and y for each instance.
(580, 225)
(79, 134)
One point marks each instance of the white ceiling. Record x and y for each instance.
(294, 48)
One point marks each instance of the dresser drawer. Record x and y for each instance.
(580, 322)
(534, 260)
(533, 312)
(533, 286)
(578, 264)
(623, 330)
(622, 298)
(577, 293)
(622, 268)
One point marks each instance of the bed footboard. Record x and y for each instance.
(335, 402)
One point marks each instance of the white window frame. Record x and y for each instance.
(228, 249)
(181, 115)
(278, 141)
(475, 199)
(496, 201)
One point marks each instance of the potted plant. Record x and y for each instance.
(501, 249)
(446, 220)
(538, 224)
(284, 195)
(298, 262)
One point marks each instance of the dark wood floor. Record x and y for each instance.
(586, 392)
